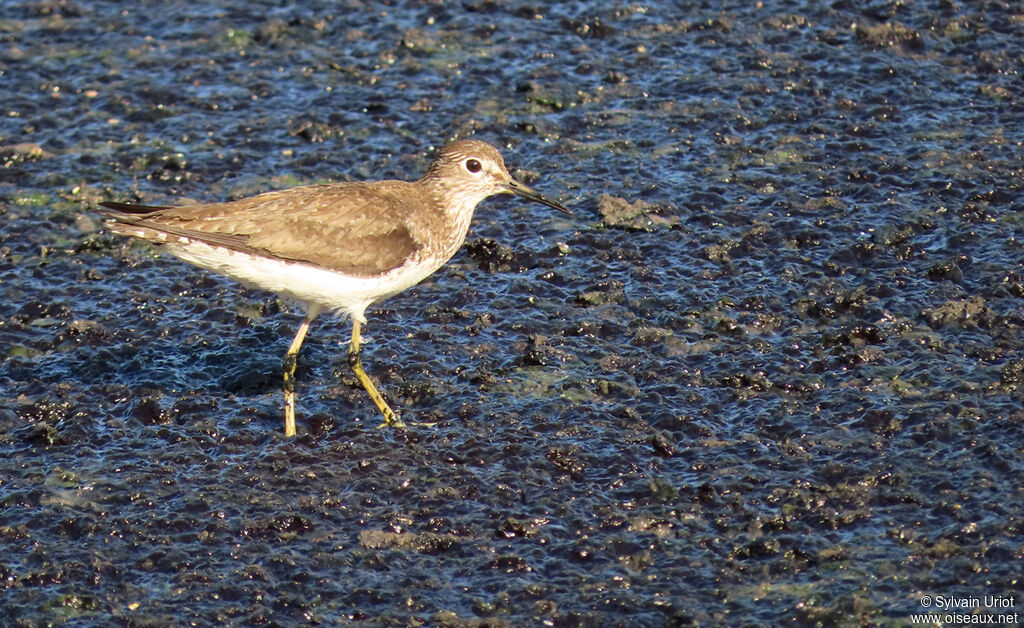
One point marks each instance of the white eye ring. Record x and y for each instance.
(473, 165)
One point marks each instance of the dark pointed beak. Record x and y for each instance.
(529, 194)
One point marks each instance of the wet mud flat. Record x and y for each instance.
(769, 373)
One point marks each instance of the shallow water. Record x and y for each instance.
(770, 372)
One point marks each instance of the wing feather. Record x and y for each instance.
(356, 228)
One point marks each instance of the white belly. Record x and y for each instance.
(312, 286)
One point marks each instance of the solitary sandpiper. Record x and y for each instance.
(339, 246)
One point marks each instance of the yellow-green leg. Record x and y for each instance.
(390, 418)
(290, 360)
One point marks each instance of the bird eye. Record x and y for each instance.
(473, 165)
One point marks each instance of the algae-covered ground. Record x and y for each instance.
(769, 373)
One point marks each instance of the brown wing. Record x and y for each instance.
(356, 228)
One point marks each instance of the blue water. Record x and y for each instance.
(785, 390)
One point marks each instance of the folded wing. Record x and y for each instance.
(355, 228)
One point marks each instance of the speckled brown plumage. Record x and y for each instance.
(362, 229)
(338, 246)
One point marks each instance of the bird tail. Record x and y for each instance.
(121, 210)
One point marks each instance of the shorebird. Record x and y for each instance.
(336, 247)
